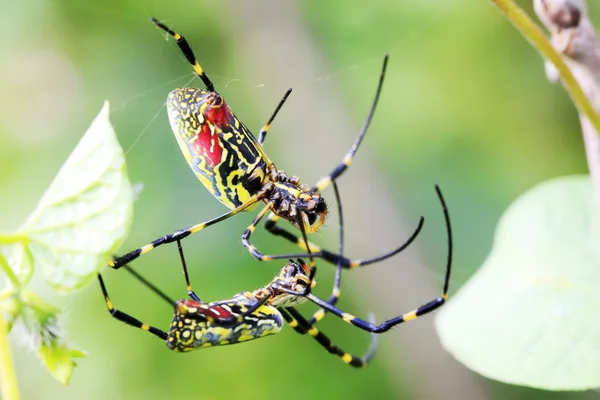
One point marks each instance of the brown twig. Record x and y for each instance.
(574, 36)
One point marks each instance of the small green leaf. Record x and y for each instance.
(42, 323)
(529, 316)
(86, 212)
(59, 360)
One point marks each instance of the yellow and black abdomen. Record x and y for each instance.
(198, 325)
(221, 151)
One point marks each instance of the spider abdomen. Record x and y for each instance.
(219, 148)
(198, 325)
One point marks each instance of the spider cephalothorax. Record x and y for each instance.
(294, 201)
(294, 278)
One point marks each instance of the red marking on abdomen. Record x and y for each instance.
(208, 143)
(214, 311)
(219, 312)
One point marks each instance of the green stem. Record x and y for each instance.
(4, 267)
(9, 389)
(12, 238)
(538, 40)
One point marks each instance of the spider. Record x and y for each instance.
(233, 165)
(252, 315)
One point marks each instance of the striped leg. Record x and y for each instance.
(324, 254)
(187, 52)
(347, 160)
(174, 237)
(337, 281)
(128, 319)
(302, 326)
(188, 285)
(311, 248)
(386, 325)
(150, 285)
(270, 224)
(248, 232)
(234, 317)
(263, 131)
(422, 310)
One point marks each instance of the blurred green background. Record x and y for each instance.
(465, 104)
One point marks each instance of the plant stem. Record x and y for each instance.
(9, 389)
(4, 267)
(12, 238)
(536, 37)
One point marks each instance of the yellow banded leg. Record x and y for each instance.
(422, 310)
(235, 316)
(339, 170)
(263, 257)
(337, 282)
(265, 129)
(320, 314)
(127, 258)
(188, 284)
(386, 325)
(300, 325)
(187, 52)
(331, 257)
(248, 232)
(338, 259)
(128, 319)
(272, 227)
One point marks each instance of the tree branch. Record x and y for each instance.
(573, 35)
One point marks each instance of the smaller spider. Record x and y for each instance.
(252, 315)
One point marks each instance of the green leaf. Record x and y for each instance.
(86, 212)
(58, 358)
(41, 321)
(21, 262)
(529, 316)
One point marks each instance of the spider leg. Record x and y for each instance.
(235, 317)
(347, 160)
(325, 254)
(264, 130)
(128, 319)
(188, 284)
(187, 52)
(302, 326)
(149, 285)
(386, 325)
(248, 232)
(422, 310)
(127, 258)
(271, 222)
(337, 281)
(262, 257)
(336, 292)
